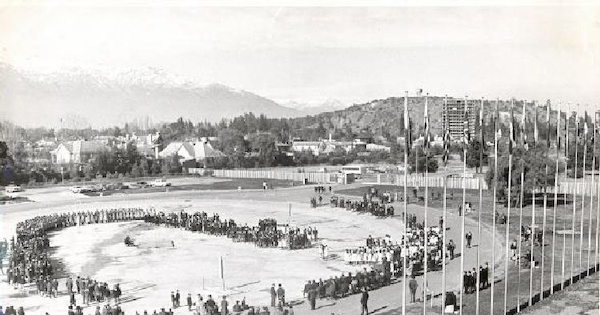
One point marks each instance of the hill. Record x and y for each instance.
(384, 117)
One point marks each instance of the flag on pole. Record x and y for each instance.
(426, 138)
(536, 133)
(466, 135)
(585, 124)
(481, 130)
(407, 126)
(446, 137)
(482, 126)
(567, 134)
(511, 138)
(524, 142)
(548, 110)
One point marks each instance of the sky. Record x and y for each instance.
(311, 54)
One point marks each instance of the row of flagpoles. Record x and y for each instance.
(526, 144)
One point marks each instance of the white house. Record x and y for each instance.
(314, 147)
(186, 150)
(78, 151)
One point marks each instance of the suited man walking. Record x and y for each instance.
(273, 295)
(363, 302)
(413, 285)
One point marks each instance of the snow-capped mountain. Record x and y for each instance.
(105, 97)
(314, 108)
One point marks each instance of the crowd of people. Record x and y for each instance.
(29, 261)
(346, 284)
(470, 283)
(265, 234)
(374, 207)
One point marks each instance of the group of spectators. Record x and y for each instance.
(374, 207)
(265, 234)
(338, 287)
(470, 284)
(29, 261)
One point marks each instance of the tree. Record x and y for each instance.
(144, 168)
(136, 171)
(88, 171)
(531, 164)
(264, 145)
(432, 163)
(104, 163)
(475, 155)
(171, 165)
(74, 172)
(588, 161)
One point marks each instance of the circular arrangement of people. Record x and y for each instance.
(242, 158)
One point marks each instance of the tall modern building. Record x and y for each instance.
(453, 117)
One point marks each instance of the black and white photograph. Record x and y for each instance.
(283, 157)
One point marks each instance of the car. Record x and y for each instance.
(143, 184)
(13, 188)
(160, 182)
(76, 189)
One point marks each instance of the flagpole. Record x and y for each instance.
(533, 199)
(478, 278)
(521, 197)
(496, 130)
(583, 190)
(462, 226)
(443, 227)
(591, 198)
(564, 249)
(426, 256)
(404, 247)
(512, 134)
(545, 198)
(565, 197)
(574, 205)
(597, 219)
(222, 274)
(552, 263)
(596, 130)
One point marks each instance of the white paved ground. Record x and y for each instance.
(150, 272)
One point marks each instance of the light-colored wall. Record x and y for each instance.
(63, 156)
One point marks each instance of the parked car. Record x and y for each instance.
(160, 182)
(13, 188)
(143, 184)
(77, 189)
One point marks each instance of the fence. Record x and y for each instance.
(321, 178)
(420, 181)
(578, 188)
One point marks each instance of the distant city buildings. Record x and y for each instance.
(453, 116)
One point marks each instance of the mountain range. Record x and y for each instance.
(80, 98)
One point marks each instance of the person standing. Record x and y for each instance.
(413, 285)
(281, 295)
(312, 297)
(69, 284)
(451, 248)
(224, 305)
(363, 302)
(273, 295)
(189, 302)
(469, 237)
